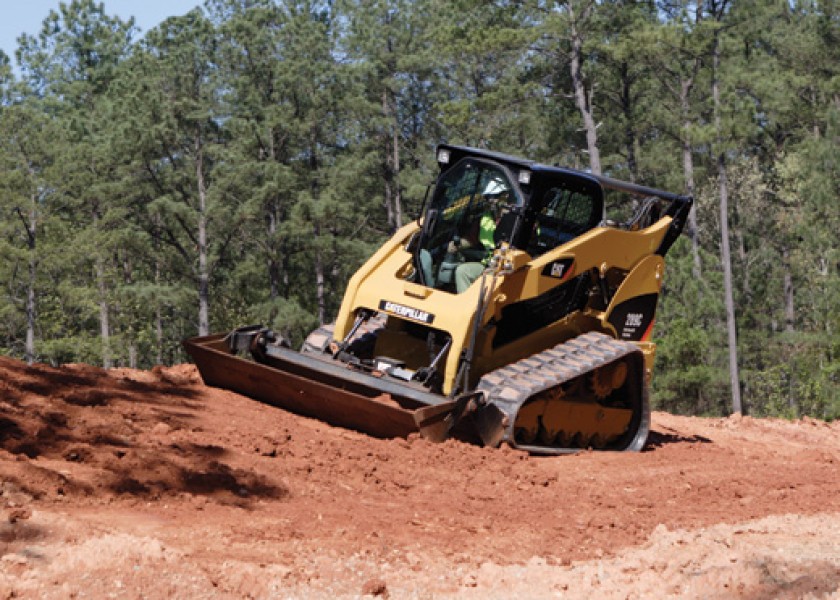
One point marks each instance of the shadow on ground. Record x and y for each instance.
(88, 431)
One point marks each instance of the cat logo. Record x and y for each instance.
(559, 269)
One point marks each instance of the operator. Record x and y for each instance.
(478, 243)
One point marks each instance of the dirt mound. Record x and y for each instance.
(150, 484)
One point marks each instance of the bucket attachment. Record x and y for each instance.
(308, 386)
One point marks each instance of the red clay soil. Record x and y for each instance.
(122, 483)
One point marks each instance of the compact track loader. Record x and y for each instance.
(518, 309)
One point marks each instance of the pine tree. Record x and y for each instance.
(27, 199)
(71, 63)
(169, 112)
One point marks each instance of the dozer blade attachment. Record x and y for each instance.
(312, 387)
(490, 422)
(437, 422)
(549, 403)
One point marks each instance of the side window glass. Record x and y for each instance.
(565, 214)
(457, 197)
(461, 230)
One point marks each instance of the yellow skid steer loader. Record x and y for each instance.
(518, 309)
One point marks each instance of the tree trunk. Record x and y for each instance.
(583, 97)
(688, 172)
(29, 351)
(320, 288)
(158, 308)
(726, 259)
(627, 111)
(398, 221)
(741, 247)
(790, 325)
(159, 335)
(725, 252)
(693, 228)
(273, 262)
(790, 310)
(31, 315)
(104, 315)
(203, 271)
(393, 200)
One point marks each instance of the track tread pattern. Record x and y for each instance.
(509, 387)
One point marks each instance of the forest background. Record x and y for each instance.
(238, 163)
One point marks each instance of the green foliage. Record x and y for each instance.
(238, 163)
(691, 374)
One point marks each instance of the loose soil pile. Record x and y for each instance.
(125, 483)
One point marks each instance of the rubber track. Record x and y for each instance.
(509, 387)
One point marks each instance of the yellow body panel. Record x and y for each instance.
(382, 279)
(600, 246)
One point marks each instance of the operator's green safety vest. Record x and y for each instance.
(487, 228)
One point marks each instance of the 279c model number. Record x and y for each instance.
(634, 320)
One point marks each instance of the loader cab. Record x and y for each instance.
(475, 207)
(483, 198)
(565, 206)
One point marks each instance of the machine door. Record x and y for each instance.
(466, 218)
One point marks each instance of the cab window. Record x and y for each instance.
(566, 212)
